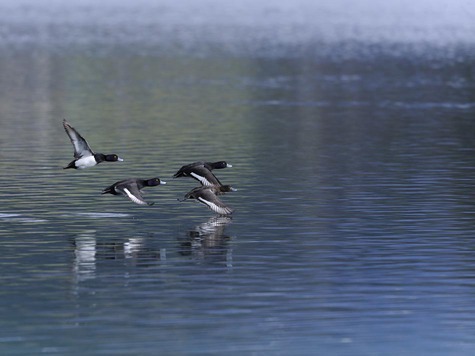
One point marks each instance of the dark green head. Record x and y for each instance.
(154, 181)
(112, 158)
(226, 188)
(219, 165)
(100, 157)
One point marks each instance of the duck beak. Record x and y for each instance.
(120, 159)
(233, 189)
(228, 165)
(163, 182)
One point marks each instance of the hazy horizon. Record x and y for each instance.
(245, 25)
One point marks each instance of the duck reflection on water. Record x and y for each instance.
(84, 265)
(133, 250)
(208, 240)
(89, 252)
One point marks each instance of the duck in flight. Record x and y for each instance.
(208, 195)
(132, 188)
(201, 171)
(84, 157)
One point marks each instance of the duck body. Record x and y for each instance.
(201, 171)
(92, 160)
(132, 188)
(84, 156)
(208, 195)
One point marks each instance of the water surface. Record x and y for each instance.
(353, 231)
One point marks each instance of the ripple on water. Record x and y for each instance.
(14, 217)
(95, 215)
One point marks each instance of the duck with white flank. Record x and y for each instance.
(201, 171)
(84, 157)
(132, 188)
(208, 195)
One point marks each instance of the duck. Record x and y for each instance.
(201, 171)
(84, 156)
(208, 195)
(132, 188)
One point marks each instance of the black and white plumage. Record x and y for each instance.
(132, 188)
(201, 171)
(213, 229)
(84, 157)
(208, 195)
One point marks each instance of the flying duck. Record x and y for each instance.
(208, 195)
(132, 188)
(201, 171)
(84, 157)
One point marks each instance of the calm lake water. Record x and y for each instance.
(353, 153)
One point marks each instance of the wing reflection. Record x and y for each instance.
(133, 251)
(89, 253)
(84, 266)
(208, 241)
(133, 246)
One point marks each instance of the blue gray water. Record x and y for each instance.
(352, 140)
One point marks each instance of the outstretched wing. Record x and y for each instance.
(133, 193)
(205, 176)
(185, 170)
(81, 148)
(214, 203)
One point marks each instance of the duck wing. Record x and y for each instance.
(81, 147)
(133, 193)
(185, 170)
(204, 176)
(209, 198)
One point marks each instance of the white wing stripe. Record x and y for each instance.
(134, 198)
(202, 179)
(216, 208)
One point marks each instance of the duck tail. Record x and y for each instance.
(109, 190)
(70, 165)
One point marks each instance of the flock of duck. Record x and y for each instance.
(131, 188)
